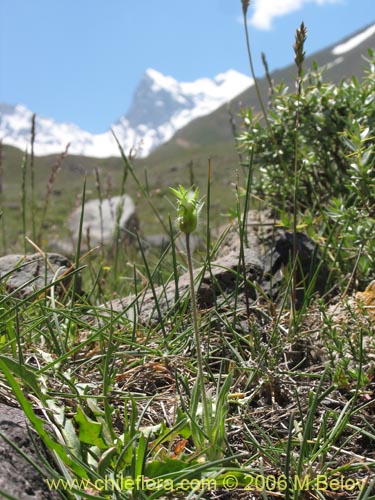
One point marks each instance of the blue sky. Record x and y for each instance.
(80, 60)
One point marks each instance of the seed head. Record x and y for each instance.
(245, 6)
(301, 35)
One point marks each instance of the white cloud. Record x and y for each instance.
(265, 10)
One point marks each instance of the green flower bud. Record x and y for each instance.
(188, 208)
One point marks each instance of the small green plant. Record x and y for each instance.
(212, 437)
(188, 208)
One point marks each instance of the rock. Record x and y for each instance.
(279, 258)
(259, 225)
(156, 241)
(18, 478)
(274, 248)
(213, 288)
(268, 255)
(101, 219)
(29, 272)
(161, 242)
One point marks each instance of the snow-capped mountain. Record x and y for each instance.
(161, 105)
(50, 137)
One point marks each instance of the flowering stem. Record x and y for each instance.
(206, 418)
(260, 100)
(298, 47)
(188, 208)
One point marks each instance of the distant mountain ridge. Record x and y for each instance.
(166, 114)
(161, 105)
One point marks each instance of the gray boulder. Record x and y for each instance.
(23, 274)
(214, 286)
(102, 219)
(311, 269)
(18, 478)
(161, 242)
(265, 259)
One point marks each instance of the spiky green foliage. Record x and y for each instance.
(327, 113)
(326, 130)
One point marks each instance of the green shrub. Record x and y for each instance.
(327, 136)
(327, 113)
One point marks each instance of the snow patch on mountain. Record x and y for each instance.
(161, 105)
(50, 136)
(354, 41)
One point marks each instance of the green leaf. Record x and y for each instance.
(38, 423)
(27, 375)
(184, 430)
(141, 455)
(106, 460)
(168, 466)
(66, 427)
(90, 432)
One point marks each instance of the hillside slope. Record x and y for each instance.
(342, 60)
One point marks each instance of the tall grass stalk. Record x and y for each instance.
(268, 75)
(1, 168)
(243, 230)
(3, 231)
(300, 38)
(142, 189)
(50, 183)
(152, 286)
(32, 178)
(245, 6)
(100, 197)
(197, 337)
(24, 200)
(2, 221)
(208, 227)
